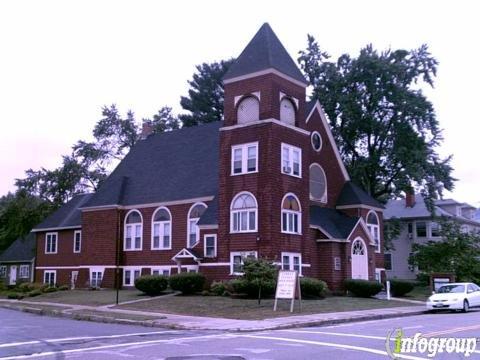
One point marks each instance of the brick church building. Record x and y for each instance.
(268, 182)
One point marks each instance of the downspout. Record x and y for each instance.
(117, 258)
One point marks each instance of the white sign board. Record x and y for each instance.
(288, 285)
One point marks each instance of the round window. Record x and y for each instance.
(316, 141)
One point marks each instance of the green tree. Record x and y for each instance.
(260, 273)
(164, 120)
(205, 96)
(19, 213)
(458, 252)
(385, 127)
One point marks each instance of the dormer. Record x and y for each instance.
(264, 83)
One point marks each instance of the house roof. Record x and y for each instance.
(352, 194)
(265, 51)
(175, 165)
(334, 222)
(21, 250)
(210, 216)
(395, 208)
(69, 215)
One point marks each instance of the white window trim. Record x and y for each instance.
(23, 267)
(291, 148)
(299, 213)
(54, 272)
(391, 262)
(133, 225)
(205, 245)
(244, 148)
(3, 271)
(75, 240)
(321, 141)
(161, 224)
(371, 228)
(232, 212)
(324, 199)
(161, 269)
(97, 269)
(337, 260)
(426, 230)
(430, 228)
(243, 254)
(132, 270)
(56, 243)
(197, 229)
(291, 255)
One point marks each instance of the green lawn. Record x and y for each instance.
(225, 307)
(88, 297)
(420, 293)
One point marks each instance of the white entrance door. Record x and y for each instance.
(13, 274)
(73, 279)
(359, 260)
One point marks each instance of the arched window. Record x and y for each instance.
(161, 229)
(318, 183)
(291, 215)
(133, 231)
(287, 111)
(248, 110)
(196, 211)
(243, 214)
(373, 225)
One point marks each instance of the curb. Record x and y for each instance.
(173, 326)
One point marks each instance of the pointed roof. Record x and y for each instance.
(353, 194)
(264, 52)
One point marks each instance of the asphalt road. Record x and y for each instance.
(27, 336)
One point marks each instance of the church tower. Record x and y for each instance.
(264, 156)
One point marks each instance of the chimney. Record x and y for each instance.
(147, 129)
(410, 197)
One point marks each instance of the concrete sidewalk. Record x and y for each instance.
(154, 319)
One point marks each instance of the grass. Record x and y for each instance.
(246, 309)
(88, 297)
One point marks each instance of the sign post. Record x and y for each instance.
(288, 285)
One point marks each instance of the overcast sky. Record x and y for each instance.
(61, 61)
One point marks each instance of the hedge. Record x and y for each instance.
(363, 288)
(400, 287)
(243, 286)
(312, 288)
(187, 283)
(151, 284)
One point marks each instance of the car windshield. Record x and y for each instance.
(447, 289)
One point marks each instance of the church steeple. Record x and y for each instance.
(264, 52)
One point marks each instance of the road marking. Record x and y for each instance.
(340, 346)
(451, 331)
(33, 342)
(103, 347)
(336, 334)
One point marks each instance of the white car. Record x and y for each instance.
(455, 296)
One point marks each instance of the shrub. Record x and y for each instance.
(423, 279)
(25, 287)
(34, 293)
(400, 287)
(363, 288)
(187, 283)
(152, 284)
(312, 288)
(218, 288)
(15, 296)
(250, 289)
(50, 289)
(64, 287)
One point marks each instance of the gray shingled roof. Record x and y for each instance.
(21, 250)
(210, 216)
(337, 224)
(176, 165)
(263, 52)
(352, 194)
(396, 209)
(67, 216)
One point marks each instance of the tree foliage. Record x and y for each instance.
(260, 273)
(384, 125)
(204, 102)
(458, 252)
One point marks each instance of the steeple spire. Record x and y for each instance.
(263, 52)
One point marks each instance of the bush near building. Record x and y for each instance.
(152, 285)
(362, 288)
(187, 283)
(313, 288)
(400, 287)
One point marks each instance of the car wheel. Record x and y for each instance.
(466, 306)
